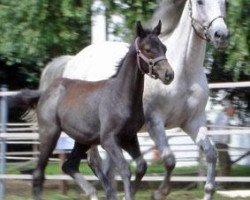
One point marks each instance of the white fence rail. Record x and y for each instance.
(26, 134)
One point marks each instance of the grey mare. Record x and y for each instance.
(108, 112)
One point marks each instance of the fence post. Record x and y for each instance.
(4, 118)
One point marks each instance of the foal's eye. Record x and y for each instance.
(164, 49)
(200, 2)
(148, 50)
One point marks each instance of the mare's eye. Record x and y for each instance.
(200, 2)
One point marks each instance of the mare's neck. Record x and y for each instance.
(186, 51)
(130, 81)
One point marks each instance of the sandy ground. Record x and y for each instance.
(234, 193)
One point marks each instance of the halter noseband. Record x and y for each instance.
(151, 62)
(204, 28)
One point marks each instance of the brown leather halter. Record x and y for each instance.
(195, 22)
(151, 62)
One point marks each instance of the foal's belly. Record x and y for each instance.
(83, 131)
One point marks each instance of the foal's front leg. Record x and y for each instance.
(156, 130)
(109, 143)
(132, 147)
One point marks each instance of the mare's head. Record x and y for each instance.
(208, 20)
(151, 52)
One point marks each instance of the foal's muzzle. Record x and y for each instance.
(169, 77)
(164, 72)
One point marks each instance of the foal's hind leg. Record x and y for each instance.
(95, 163)
(48, 139)
(71, 167)
(133, 148)
(156, 130)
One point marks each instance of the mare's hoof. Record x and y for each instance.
(94, 198)
(157, 196)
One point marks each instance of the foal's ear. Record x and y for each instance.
(157, 29)
(140, 32)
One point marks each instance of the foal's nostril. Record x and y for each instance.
(169, 76)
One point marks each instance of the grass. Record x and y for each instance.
(22, 189)
(73, 194)
(154, 168)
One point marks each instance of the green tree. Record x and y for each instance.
(238, 51)
(131, 11)
(34, 31)
(234, 61)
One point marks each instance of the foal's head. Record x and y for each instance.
(151, 52)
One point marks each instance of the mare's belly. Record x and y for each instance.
(175, 106)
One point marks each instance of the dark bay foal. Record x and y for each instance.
(107, 112)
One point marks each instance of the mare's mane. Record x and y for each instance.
(169, 11)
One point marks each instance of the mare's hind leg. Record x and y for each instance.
(95, 163)
(133, 148)
(199, 135)
(156, 130)
(71, 167)
(48, 138)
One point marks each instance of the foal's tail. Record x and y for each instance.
(25, 99)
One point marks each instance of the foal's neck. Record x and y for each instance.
(130, 80)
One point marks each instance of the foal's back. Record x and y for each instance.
(74, 107)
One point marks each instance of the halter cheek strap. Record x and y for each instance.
(151, 62)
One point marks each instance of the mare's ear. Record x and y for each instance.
(140, 32)
(157, 29)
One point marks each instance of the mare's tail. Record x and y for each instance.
(25, 99)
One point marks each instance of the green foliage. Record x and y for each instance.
(131, 11)
(234, 61)
(239, 24)
(33, 31)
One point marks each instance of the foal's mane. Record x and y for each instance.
(169, 11)
(118, 66)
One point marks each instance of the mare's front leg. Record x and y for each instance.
(109, 143)
(71, 167)
(156, 129)
(95, 163)
(197, 130)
